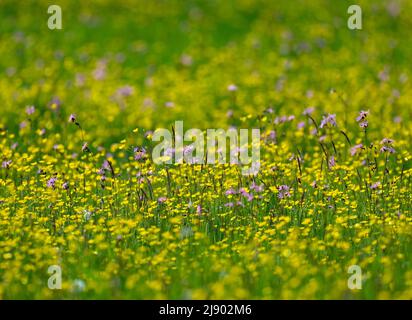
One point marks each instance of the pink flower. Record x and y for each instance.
(387, 149)
(100, 72)
(283, 191)
(51, 183)
(362, 116)
(387, 141)
(72, 118)
(162, 199)
(232, 87)
(230, 191)
(23, 125)
(329, 119)
(30, 110)
(85, 147)
(139, 153)
(246, 194)
(186, 60)
(6, 164)
(387, 145)
(375, 185)
(308, 111)
(332, 162)
(199, 209)
(363, 124)
(256, 188)
(125, 91)
(356, 149)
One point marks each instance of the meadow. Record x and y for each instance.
(79, 188)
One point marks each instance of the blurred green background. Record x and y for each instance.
(177, 59)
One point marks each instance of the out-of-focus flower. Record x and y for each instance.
(363, 124)
(246, 194)
(100, 72)
(23, 125)
(301, 125)
(384, 75)
(230, 191)
(72, 118)
(375, 185)
(169, 152)
(30, 110)
(329, 119)
(388, 149)
(332, 162)
(162, 199)
(55, 104)
(199, 209)
(387, 141)
(186, 60)
(85, 147)
(80, 80)
(6, 164)
(356, 149)
(125, 91)
(393, 8)
(106, 165)
(256, 188)
(308, 111)
(272, 136)
(169, 104)
(397, 119)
